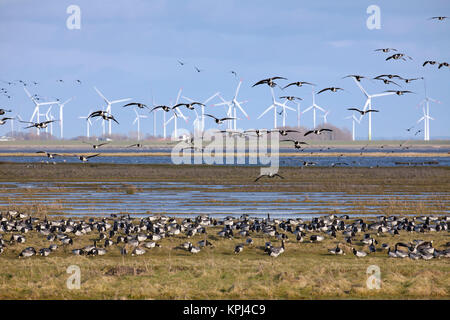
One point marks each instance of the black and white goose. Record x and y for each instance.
(269, 175)
(239, 248)
(3, 111)
(27, 252)
(48, 154)
(297, 144)
(362, 112)
(276, 251)
(430, 62)
(359, 254)
(398, 56)
(355, 76)
(298, 84)
(336, 250)
(316, 238)
(318, 131)
(86, 158)
(136, 104)
(96, 146)
(219, 120)
(332, 89)
(386, 50)
(163, 107)
(39, 125)
(3, 120)
(190, 106)
(193, 249)
(269, 81)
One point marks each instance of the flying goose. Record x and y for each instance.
(104, 114)
(190, 106)
(297, 144)
(431, 62)
(3, 120)
(137, 104)
(137, 145)
(49, 155)
(284, 132)
(398, 56)
(217, 120)
(290, 98)
(410, 80)
(3, 111)
(317, 131)
(355, 76)
(309, 163)
(385, 50)
(85, 158)
(332, 89)
(441, 18)
(197, 69)
(181, 62)
(269, 175)
(443, 64)
(298, 84)
(268, 81)
(234, 72)
(96, 146)
(39, 125)
(362, 112)
(165, 108)
(387, 81)
(390, 76)
(399, 92)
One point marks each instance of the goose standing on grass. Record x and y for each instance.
(359, 254)
(276, 251)
(249, 241)
(239, 248)
(45, 252)
(27, 252)
(138, 251)
(193, 249)
(336, 250)
(316, 238)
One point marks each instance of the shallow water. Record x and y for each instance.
(84, 198)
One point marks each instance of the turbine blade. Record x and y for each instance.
(101, 95)
(267, 110)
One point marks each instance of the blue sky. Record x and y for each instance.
(130, 49)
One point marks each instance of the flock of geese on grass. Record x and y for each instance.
(137, 236)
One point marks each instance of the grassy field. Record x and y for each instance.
(304, 271)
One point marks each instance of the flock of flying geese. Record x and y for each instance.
(137, 236)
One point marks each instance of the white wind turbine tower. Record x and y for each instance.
(426, 102)
(274, 106)
(354, 119)
(232, 104)
(88, 123)
(426, 123)
(108, 106)
(174, 117)
(36, 108)
(201, 122)
(61, 119)
(368, 104)
(138, 120)
(298, 114)
(314, 106)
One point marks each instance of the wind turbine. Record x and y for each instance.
(298, 114)
(174, 117)
(368, 104)
(88, 123)
(426, 123)
(354, 119)
(324, 116)
(426, 102)
(232, 104)
(274, 106)
(36, 108)
(138, 120)
(108, 107)
(314, 106)
(201, 123)
(61, 119)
